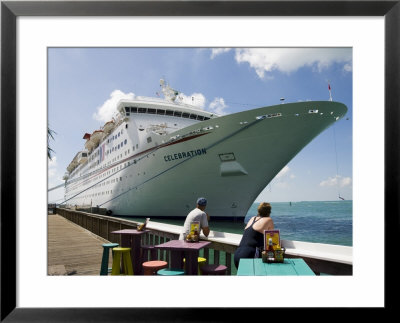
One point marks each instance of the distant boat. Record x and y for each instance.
(157, 156)
(341, 198)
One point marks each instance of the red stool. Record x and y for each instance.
(151, 267)
(213, 269)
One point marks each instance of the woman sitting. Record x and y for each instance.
(253, 236)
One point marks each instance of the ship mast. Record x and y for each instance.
(169, 93)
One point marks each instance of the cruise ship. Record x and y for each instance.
(157, 156)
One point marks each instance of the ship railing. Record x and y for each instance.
(322, 258)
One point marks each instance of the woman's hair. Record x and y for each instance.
(264, 209)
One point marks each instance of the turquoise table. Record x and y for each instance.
(290, 267)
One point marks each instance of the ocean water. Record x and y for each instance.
(321, 221)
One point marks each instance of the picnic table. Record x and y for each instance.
(181, 249)
(290, 267)
(131, 238)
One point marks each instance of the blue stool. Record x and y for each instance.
(104, 270)
(170, 272)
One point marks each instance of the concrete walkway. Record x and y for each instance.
(72, 250)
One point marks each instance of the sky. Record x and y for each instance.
(84, 85)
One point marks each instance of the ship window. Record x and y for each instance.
(201, 118)
(161, 111)
(133, 110)
(177, 114)
(127, 109)
(122, 144)
(126, 126)
(118, 146)
(142, 110)
(151, 111)
(185, 115)
(206, 118)
(149, 139)
(169, 113)
(125, 141)
(84, 155)
(193, 116)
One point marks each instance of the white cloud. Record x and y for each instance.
(106, 111)
(52, 167)
(196, 99)
(336, 181)
(346, 181)
(284, 171)
(217, 51)
(347, 68)
(218, 106)
(287, 60)
(284, 177)
(52, 172)
(53, 162)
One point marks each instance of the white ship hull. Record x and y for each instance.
(228, 159)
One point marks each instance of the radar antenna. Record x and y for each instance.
(169, 93)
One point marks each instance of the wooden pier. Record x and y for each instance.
(76, 238)
(72, 250)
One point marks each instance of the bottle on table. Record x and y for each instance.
(270, 251)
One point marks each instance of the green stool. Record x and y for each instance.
(170, 272)
(104, 270)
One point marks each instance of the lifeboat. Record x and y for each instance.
(88, 144)
(108, 127)
(96, 137)
(72, 165)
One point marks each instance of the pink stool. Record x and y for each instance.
(151, 267)
(213, 269)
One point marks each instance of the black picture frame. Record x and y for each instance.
(10, 10)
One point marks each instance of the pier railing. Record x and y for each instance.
(102, 226)
(322, 258)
